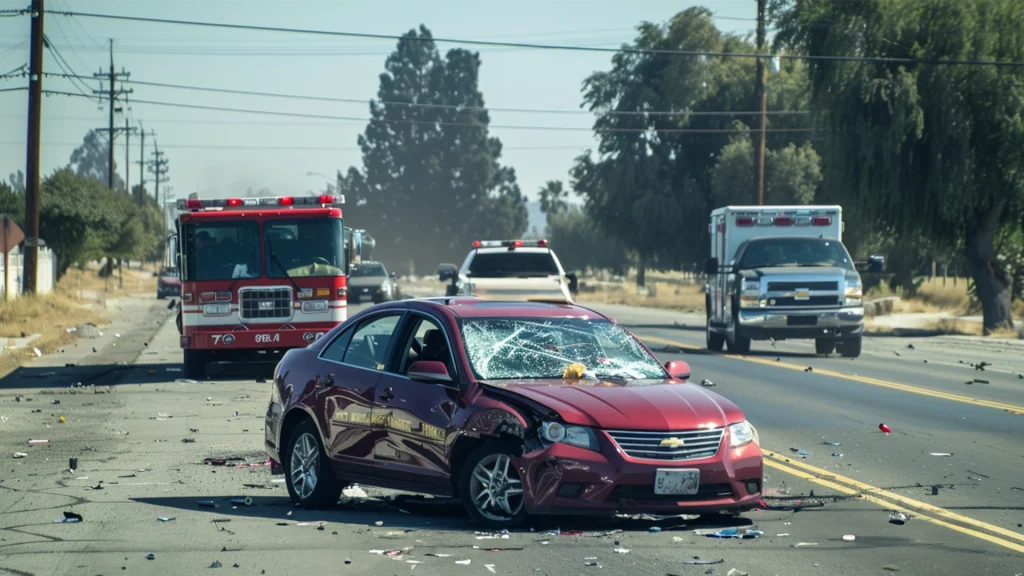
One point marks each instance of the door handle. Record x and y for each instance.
(387, 395)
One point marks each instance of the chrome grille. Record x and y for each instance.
(648, 445)
(791, 286)
(255, 303)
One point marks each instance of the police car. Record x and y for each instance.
(511, 270)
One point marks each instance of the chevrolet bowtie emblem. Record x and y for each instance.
(672, 442)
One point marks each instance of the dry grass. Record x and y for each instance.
(660, 294)
(133, 281)
(933, 295)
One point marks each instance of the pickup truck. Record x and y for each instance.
(510, 270)
(779, 273)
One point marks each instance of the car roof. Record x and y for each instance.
(505, 250)
(468, 307)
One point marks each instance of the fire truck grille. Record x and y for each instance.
(265, 303)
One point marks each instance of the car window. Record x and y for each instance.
(512, 264)
(335, 351)
(369, 345)
(426, 341)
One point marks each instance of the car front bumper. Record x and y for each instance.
(562, 479)
(761, 324)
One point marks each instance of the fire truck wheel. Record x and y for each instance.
(195, 364)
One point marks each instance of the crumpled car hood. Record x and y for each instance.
(656, 405)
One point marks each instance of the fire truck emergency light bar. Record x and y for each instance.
(265, 202)
(511, 244)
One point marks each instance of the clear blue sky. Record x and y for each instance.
(213, 151)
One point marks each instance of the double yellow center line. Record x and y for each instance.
(1012, 408)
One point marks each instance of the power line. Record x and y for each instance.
(455, 106)
(69, 72)
(14, 89)
(563, 47)
(442, 123)
(295, 148)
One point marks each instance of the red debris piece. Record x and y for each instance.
(884, 428)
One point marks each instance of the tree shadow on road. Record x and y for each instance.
(97, 375)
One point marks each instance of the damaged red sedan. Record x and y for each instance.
(516, 408)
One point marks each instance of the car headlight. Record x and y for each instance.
(740, 434)
(854, 290)
(579, 436)
(750, 293)
(315, 306)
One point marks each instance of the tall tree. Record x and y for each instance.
(931, 150)
(431, 179)
(90, 159)
(553, 197)
(792, 174)
(17, 181)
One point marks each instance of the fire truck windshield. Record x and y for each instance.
(221, 250)
(304, 247)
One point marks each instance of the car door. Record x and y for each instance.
(349, 370)
(417, 416)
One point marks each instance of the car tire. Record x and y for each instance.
(482, 464)
(715, 340)
(195, 364)
(314, 486)
(738, 344)
(824, 346)
(850, 348)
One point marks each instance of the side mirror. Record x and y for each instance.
(678, 369)
(429, 371)
(446, 272)
(574, 283)
(394, 275)
(711, 266)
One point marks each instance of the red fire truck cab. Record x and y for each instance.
(258, 276)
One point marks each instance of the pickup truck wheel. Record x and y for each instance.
(824, 345)
(850, 348)
(715, 341)
(738, 344)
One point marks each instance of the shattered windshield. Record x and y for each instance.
(520, 348)
(811, 252)
(304, 247)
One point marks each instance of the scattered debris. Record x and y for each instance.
(188, 440)
(809, 369)
(837, 455)
(833, 443)
(898, 518)
(884, 428)
(167, 518)
(98, 486)
(941, 454)
(70, 518)
(895, 352)
(490, 568)
(849, 537)
(978, 474)
(37, 352)
(463, 562)
(980, 366)
(707, 383)
(150, 556)
(890, 569)
(910, 346)
(354, 491)
(799, 452)
(20, 455)
(622, 551)
(207, 504)
(782, 535)
(54, 402)
(654, 529)
(735, 572)
(216, 564)
(379, 523)
(246, 501)
(698, 562)
(62, 420)
(739, 533)
(980, 381)
(804, 544)
(37, 442)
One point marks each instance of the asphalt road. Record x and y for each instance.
(128, 424)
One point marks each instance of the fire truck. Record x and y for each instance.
(259, 276)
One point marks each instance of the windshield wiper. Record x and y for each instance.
(273, 258)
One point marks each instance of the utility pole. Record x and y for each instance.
(112, 95)
(158, 166)
(127, 162)
(35, 114)
(142, 155)
(762, 97)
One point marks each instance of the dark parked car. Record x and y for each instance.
(369, 280)
(168, 283)
(517, 408)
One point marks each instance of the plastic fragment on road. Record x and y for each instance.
(150, 556)
(800, 452)
(699, 562)
(353, 492)
(246, 501)
(592, 563)
(804, 544)
(167, 518)
(490, 568)
(707, 383)
(832, 443)
(849, 538)
(216, 564)
(677, 539)
(69, 518)
(37, 352)
(37, 442)
(735, 572)
(941, 454)
(654, 529)
(898, 518)
(622, 551)
(463, 562)
(436, 555)
(837, 455)
(782, 535)
(278, 481)
(62, 420)
(884, 428)
(738, 533)
(20, 455)
(98, 486)
(809, 369)
(207, 504)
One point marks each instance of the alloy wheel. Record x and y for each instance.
(496, 489)
(305, 465)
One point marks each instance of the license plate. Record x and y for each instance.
(684, 482)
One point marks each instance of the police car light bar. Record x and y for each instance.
(510, 244)
(263, 202)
